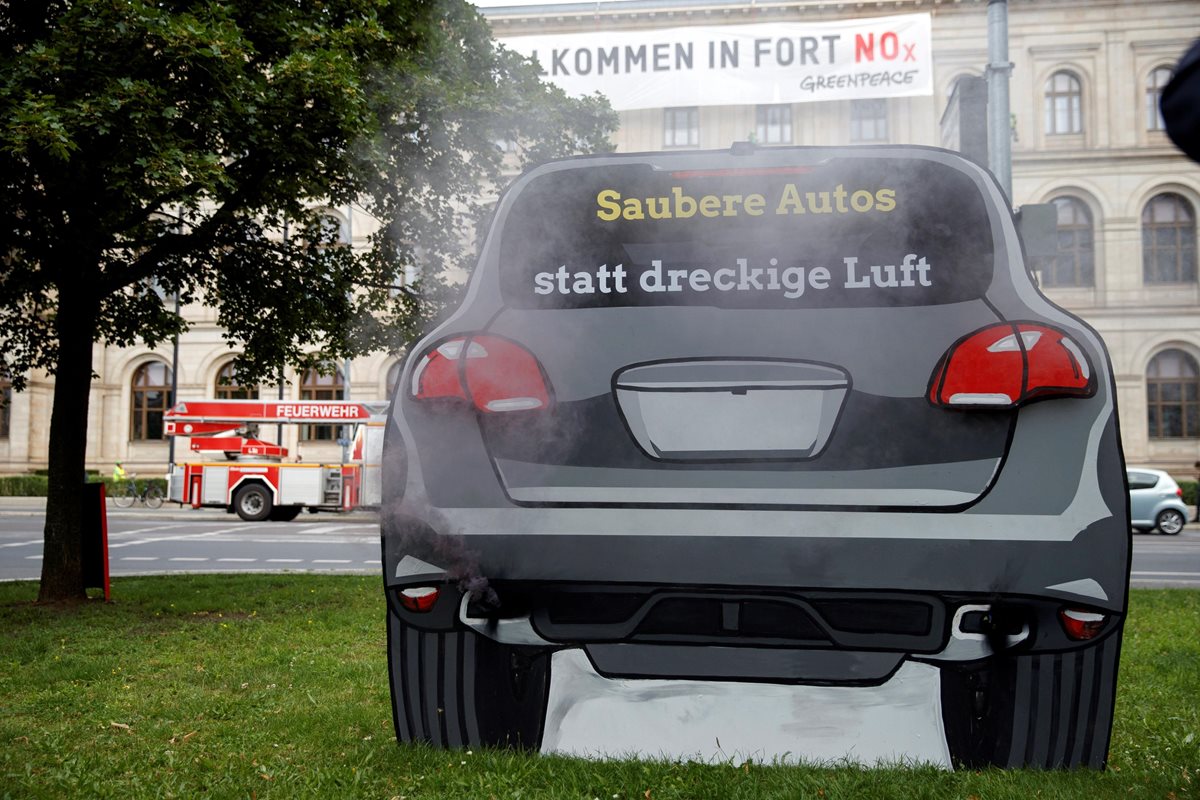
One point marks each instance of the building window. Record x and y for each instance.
(5, 405)
(393, 375)
(228, 387)
(334, 228)
(1169, 240)
(774, 125)
(151, 397)
(1156, 81)
(1173, 396)
(315, 386)
(1064, 104)
(869, 120)
(1075, 263)
(681, 127)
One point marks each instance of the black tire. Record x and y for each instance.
(285, 513)
(1170, 522)
(460, 689)
(1042, 711)
(124, 498)
(153, 497)
(252, 503)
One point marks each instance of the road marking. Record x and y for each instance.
(186, 537)
(140, 531)
(308, 527)
(1142, 574)
(33, 557)
(372, 562)
(331, 561)
(239, 560)
(189, 558)
(1158, 583)
(139, 558)
(21, 544)
(284, 560)
(333, 540)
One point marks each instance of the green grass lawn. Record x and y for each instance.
(276, 686)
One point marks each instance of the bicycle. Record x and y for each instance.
(124, 497)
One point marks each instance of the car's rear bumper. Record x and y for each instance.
(1032, 555)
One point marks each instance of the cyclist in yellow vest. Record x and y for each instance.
(118, 472)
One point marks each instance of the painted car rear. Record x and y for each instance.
(805, 403)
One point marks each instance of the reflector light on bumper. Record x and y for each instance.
(1081, 625)
(420, 599)
(1006, 365)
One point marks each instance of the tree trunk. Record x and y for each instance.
(62, 552)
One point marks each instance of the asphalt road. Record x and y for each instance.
(210, 543)
(142, 542)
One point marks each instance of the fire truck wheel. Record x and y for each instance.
(285, 513)
(252, 503)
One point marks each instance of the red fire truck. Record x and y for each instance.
(250, 477)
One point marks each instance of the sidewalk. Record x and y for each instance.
(36, 507)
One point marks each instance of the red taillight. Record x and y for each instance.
(1005, 365)
(1082, 625)
(1178, 492)
(495, 374)
(418, 598)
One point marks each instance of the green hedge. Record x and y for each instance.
(23, 486)
(36, 485)
(1189, 491)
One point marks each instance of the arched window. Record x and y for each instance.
(1173, 396)
(5, 405)
(150, 399)
(317, 386)
(228, 388)
(1156, 81)
(1075, 264)
(393, 375)
(335, 227)
(1169, 239)
(1064, 104)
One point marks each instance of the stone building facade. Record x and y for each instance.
(1086, 136)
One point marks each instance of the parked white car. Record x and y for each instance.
(1155, 501)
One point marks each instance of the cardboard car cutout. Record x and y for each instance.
(766, 453)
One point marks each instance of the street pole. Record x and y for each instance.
(174, 389)
(279, 427)
(999, 116)
(345, 429)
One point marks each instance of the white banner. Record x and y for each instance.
(778, 62)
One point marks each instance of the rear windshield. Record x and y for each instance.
(850, 232)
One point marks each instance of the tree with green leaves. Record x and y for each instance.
(177, 148)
